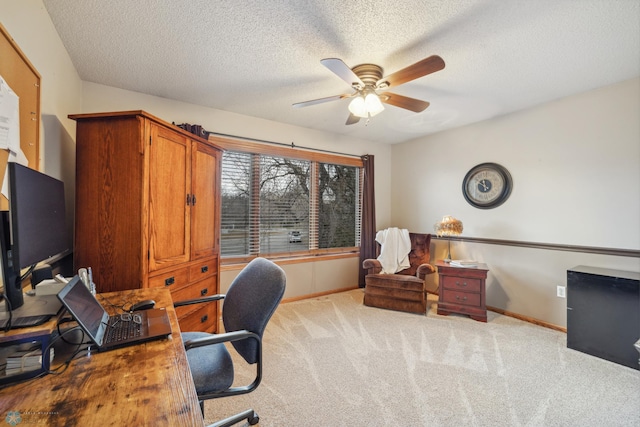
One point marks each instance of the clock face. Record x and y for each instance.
(487, 185)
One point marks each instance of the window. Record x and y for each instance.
(274, 204)
(338, 206)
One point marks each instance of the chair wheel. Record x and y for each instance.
(254, 420)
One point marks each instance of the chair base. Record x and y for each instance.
(249, 415)
(395, 292)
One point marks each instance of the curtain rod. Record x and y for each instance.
(292, 145)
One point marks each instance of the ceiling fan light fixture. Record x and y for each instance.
(366, 79)
(373, 104)
(366, 105)
(358, 107)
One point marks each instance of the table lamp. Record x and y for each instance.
(449, 226)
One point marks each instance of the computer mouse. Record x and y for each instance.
(143, 305)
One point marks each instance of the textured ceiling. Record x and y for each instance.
(259, 57)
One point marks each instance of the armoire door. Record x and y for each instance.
(169, 198)
(204, 184)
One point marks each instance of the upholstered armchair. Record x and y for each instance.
(404, 290)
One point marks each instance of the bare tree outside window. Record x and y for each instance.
(338, 201)
(284, 204)
(273, 205)
(236, 203)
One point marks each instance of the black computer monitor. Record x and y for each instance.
(34, 229)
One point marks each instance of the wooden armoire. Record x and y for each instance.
(148, 209)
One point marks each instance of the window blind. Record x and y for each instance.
(272, 204)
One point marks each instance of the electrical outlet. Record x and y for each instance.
(561, 292)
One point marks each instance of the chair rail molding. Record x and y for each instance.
(633, 253)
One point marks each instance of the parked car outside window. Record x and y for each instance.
(295, 237)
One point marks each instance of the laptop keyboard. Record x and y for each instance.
(121, 330)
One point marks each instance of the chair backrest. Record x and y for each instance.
(420, 252)
(250, 302)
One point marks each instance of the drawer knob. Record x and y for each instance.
(204, 268)
(463, 298)
(204, 292)
(169, 281)
(204, 318)
(463, 284)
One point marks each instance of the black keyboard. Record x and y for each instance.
(123, 330)
(26, 321)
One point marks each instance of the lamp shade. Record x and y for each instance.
(373, 104)
(357, 107)
(449, 226)
(366, 104)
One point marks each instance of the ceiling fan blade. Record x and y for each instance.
(352, 119)
(405, 102)
(343, 71)
(321, 100)
(419, 69)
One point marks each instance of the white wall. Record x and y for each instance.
(28, 23)
(312, 277)
(575, 165)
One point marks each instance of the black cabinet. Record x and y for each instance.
(603, 313)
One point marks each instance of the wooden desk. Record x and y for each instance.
(462, 290)
(146, 384)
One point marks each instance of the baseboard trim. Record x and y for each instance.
(494, 309)
(527, 319)
(318, 294)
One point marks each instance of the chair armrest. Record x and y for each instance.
(228, 337)
(373, 265)
(425, 269)
(220, 338)
(199, 300)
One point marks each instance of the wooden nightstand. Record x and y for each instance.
(462, 290)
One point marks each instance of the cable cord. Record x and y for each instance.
(27, 273)
(120, 307)
(7, 327)
(64, 365)
(62, 333)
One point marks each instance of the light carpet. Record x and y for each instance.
(331, 361)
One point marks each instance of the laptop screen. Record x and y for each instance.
(85, 308)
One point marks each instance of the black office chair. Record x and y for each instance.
(248, 305)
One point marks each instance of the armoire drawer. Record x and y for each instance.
(202, 269)
(199, 289)
(173, 279)
(202, 319)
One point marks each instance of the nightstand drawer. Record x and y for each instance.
(464, 298)
(461, 283)
(462, 290)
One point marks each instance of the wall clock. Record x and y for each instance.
(487, 185)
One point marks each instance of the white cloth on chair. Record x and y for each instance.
(395, 247)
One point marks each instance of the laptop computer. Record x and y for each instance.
(107, 331)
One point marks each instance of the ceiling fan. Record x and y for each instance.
(367, 81)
